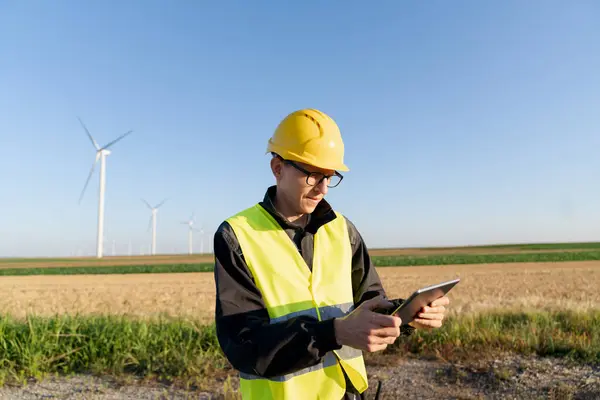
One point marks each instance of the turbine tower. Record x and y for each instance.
(190, 223)
(152, 223)
(201, 231)
(101, 153)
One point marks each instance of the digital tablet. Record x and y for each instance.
(420, 298)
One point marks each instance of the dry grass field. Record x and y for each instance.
(466, 352)
(548, 286)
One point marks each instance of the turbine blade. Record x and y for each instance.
(161, 203)
(87, 181)
(149, 224)
(89, 134)
(149, 206)
(117, 139)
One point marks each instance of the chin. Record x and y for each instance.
(308, 207)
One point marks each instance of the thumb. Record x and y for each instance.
(377, 302)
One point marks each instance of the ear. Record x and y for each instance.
(276, 167)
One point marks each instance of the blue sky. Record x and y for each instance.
(464, 122)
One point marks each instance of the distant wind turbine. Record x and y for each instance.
(101, 153)
(190, 223)
(201, 230)
(152, 223)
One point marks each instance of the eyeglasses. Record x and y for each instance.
(315, 178)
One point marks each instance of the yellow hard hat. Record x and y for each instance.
(309, 136)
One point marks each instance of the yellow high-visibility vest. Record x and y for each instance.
(289, 289)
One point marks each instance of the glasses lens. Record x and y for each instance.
(316, 177)
(313, 178)
(334, 181)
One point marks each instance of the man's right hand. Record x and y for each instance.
(366, 330)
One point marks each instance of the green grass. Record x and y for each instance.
(513, 246)
(526, 246)
(380, 261)
(572, 335)
(184, 351)
(386, 261)
(36, 260)
(25, 260)
(102, 270)
(165, 349)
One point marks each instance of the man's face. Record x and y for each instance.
(302, 197)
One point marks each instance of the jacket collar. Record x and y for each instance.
(322, 214)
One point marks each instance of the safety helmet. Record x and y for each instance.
(309, 136)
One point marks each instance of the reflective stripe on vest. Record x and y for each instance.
(289, 289)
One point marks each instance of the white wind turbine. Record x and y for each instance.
(101, 153)
(152, 223)
(190, 223)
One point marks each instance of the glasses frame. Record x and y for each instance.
(317, 174)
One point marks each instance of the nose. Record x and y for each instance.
(322, 186)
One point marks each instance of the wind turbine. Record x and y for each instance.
(101, 153)
(190, 223)
(152, 222)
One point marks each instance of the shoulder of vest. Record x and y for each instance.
(353, 233)
(339, 220)
(245, 212)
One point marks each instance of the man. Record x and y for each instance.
(295, 284)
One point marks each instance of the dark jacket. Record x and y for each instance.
(249, 342)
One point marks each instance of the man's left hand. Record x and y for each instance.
(431, 316)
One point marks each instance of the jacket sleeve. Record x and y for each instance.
(365, 279)
(250, 343)
(366, 283)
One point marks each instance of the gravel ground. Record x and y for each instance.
(509, 377)
(88, 387)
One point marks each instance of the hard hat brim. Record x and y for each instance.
(286, 155)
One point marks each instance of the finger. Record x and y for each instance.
(390, 340)
(442, 301)
(375, 347)
(428, 323)
(431, 316)
(387, 332)
(376, 340)
(382, 320)
(384, 340)
(421, 327)
(433, 310)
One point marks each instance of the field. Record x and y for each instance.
(208, 258)
(519, 309)
(380, 258)
(536, 286)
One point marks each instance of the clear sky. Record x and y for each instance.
(464, 122)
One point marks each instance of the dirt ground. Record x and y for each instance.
(503, 377)
(565, 285)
